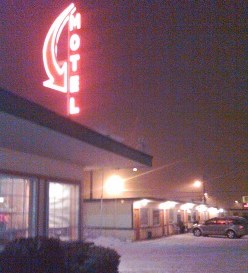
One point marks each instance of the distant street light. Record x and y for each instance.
(199, 184)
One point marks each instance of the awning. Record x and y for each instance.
(28, 127)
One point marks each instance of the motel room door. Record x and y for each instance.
(137, 223)
(162, 221)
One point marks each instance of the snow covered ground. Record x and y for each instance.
(182, 253)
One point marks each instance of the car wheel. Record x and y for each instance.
(231, 234)
(197, 232)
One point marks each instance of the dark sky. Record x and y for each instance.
(169, 74)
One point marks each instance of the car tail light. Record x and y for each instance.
(241, 227)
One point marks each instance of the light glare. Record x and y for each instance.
(197, 184)
(114, 185)
(141, 203)
(167, 205)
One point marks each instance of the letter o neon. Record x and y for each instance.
(74, 42)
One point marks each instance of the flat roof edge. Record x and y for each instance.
(20, 107)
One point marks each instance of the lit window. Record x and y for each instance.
(63, 211)
(17, 207)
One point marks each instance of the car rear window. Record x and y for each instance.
(221, 222)
(211, 222)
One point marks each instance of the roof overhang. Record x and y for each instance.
(28, 127)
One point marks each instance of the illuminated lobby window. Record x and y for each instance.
(17, 207)
(63, 211)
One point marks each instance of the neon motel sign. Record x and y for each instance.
(64, 76)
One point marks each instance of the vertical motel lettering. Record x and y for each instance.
(74, 57)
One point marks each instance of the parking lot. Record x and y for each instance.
(183, 254)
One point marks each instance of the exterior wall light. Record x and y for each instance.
(114, 185)
(167, 205)
(141, 203)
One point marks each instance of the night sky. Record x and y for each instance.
(167, 77)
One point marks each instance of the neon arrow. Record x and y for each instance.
(57, 74)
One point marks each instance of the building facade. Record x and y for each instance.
(43, 160)
(142, 218)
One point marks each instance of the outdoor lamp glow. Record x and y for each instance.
(212, 210)
(201, 184)
(187, 206)
(114, 185)
(201, 208)
(197, 184)
(167, 205)
(141, 203)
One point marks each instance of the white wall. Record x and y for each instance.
(112, 214)
(15, 161)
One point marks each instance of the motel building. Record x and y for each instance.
(132, 219)
(44, 158)
(47, 161)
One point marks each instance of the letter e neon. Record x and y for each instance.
(74, 84)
